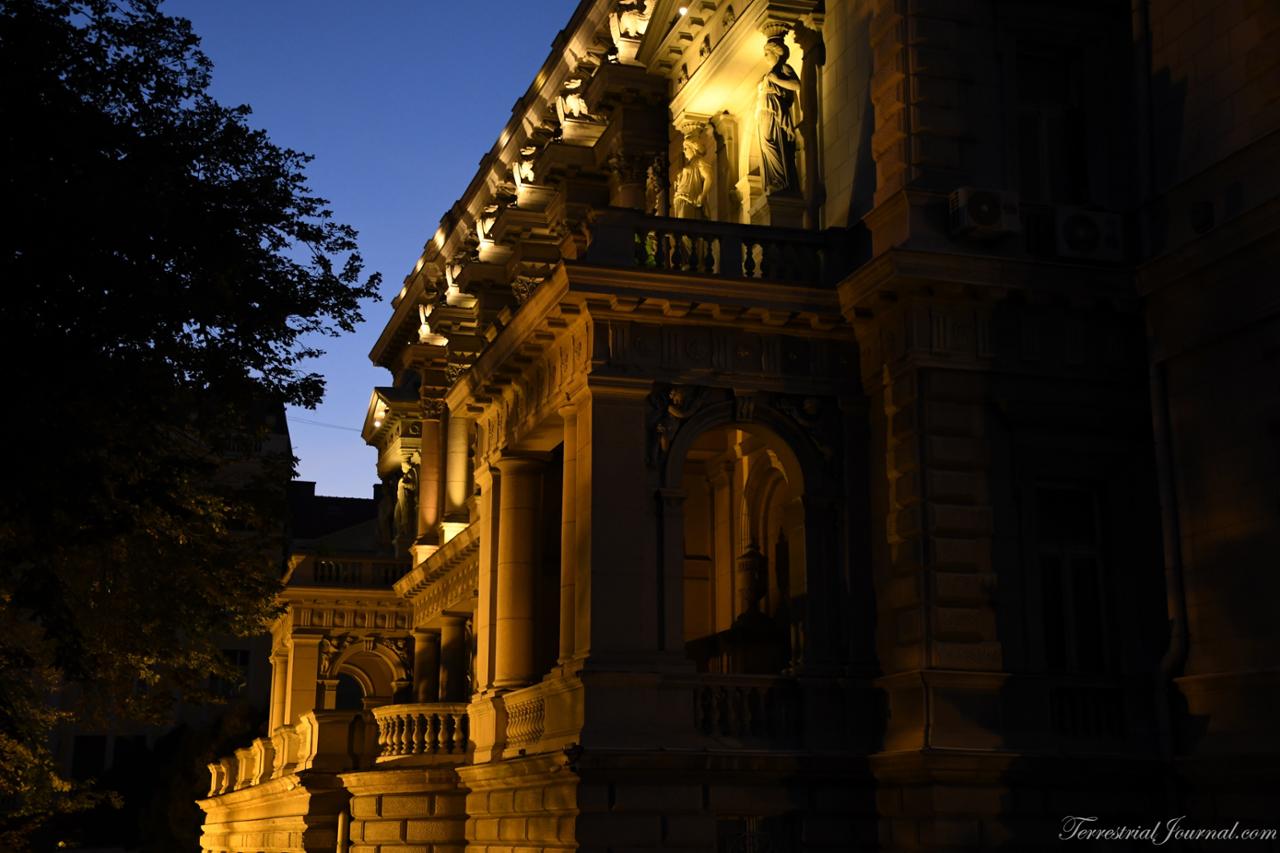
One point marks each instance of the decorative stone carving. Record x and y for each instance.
(330, 650)
(655, 188)
(777, 116)
(630, 19)
(522, 169)
(401, 648)
(696, 181)
(820, 422)
(523, 286)
(570, 103)
(669, 407)
(730, 17)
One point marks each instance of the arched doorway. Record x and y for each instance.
(743, 575)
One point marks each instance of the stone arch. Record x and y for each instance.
(796, 485)
(376, 666)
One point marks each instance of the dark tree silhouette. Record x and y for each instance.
(163, 267)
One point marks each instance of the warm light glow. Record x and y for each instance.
(450, 529)
(683, 10)
(377, 422)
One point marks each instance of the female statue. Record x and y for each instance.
(776, 120)
(694, 182)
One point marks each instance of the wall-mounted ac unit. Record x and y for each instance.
(1089, 234)
(984, 214)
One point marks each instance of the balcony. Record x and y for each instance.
(721, 250)
(340, 741)
(347, 572)
(436, 730)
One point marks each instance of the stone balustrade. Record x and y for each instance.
(431, 729)
(747, 708)
(331, 741)
(347, 572)
(725, 250)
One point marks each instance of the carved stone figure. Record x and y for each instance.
(655, 188)
(570, 103)
(776, 120)
(407, 503)
(630, 19)
(695, 182)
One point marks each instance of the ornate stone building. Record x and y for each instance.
(817, 426)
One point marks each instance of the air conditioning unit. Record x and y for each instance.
(984, 214)
(1089, 234)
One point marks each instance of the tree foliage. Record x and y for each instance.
(164, 268)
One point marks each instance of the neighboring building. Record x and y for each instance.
(782, 431)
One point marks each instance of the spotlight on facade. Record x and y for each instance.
(683, 10)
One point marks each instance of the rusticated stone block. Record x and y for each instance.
(563, 796)
(512, 829)
(364, 807)
(445, 805)
(406, 805)
(957, 588)
(950, 518)
(963, 623)
(957, 486)
(543, 829)
(502, 802)
(961, 553)
(485, 829)
(435, 830)
(382, 830)
(528, 800)
(956, 452)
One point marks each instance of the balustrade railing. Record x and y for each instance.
(748, 708)
(364, 573)
(435, 728)
(719, 249)
(526, 720)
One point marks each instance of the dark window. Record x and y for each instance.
(350, 695)
(1052, 144)
(1069, 556)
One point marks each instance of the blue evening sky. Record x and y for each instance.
(397, 100)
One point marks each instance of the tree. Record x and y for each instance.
(164, 266)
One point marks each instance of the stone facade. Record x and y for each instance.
(913, 501)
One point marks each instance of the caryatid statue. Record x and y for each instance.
(406, 517)
(695, 182)
(777, 115)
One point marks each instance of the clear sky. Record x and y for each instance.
(398, 100)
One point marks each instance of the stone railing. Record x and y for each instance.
(331, 741)
(748, 708)
(435, 728)
(347, 572)
(727, 250)
(526, 720)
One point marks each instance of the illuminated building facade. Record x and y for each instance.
(817, 426)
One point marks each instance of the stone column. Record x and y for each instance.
(279, 683)
(568, 539)
(490, 485)
(517, 537)
(453, 659)
(457, 471)
(426, 665)
(304, 667)
(430, 488)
